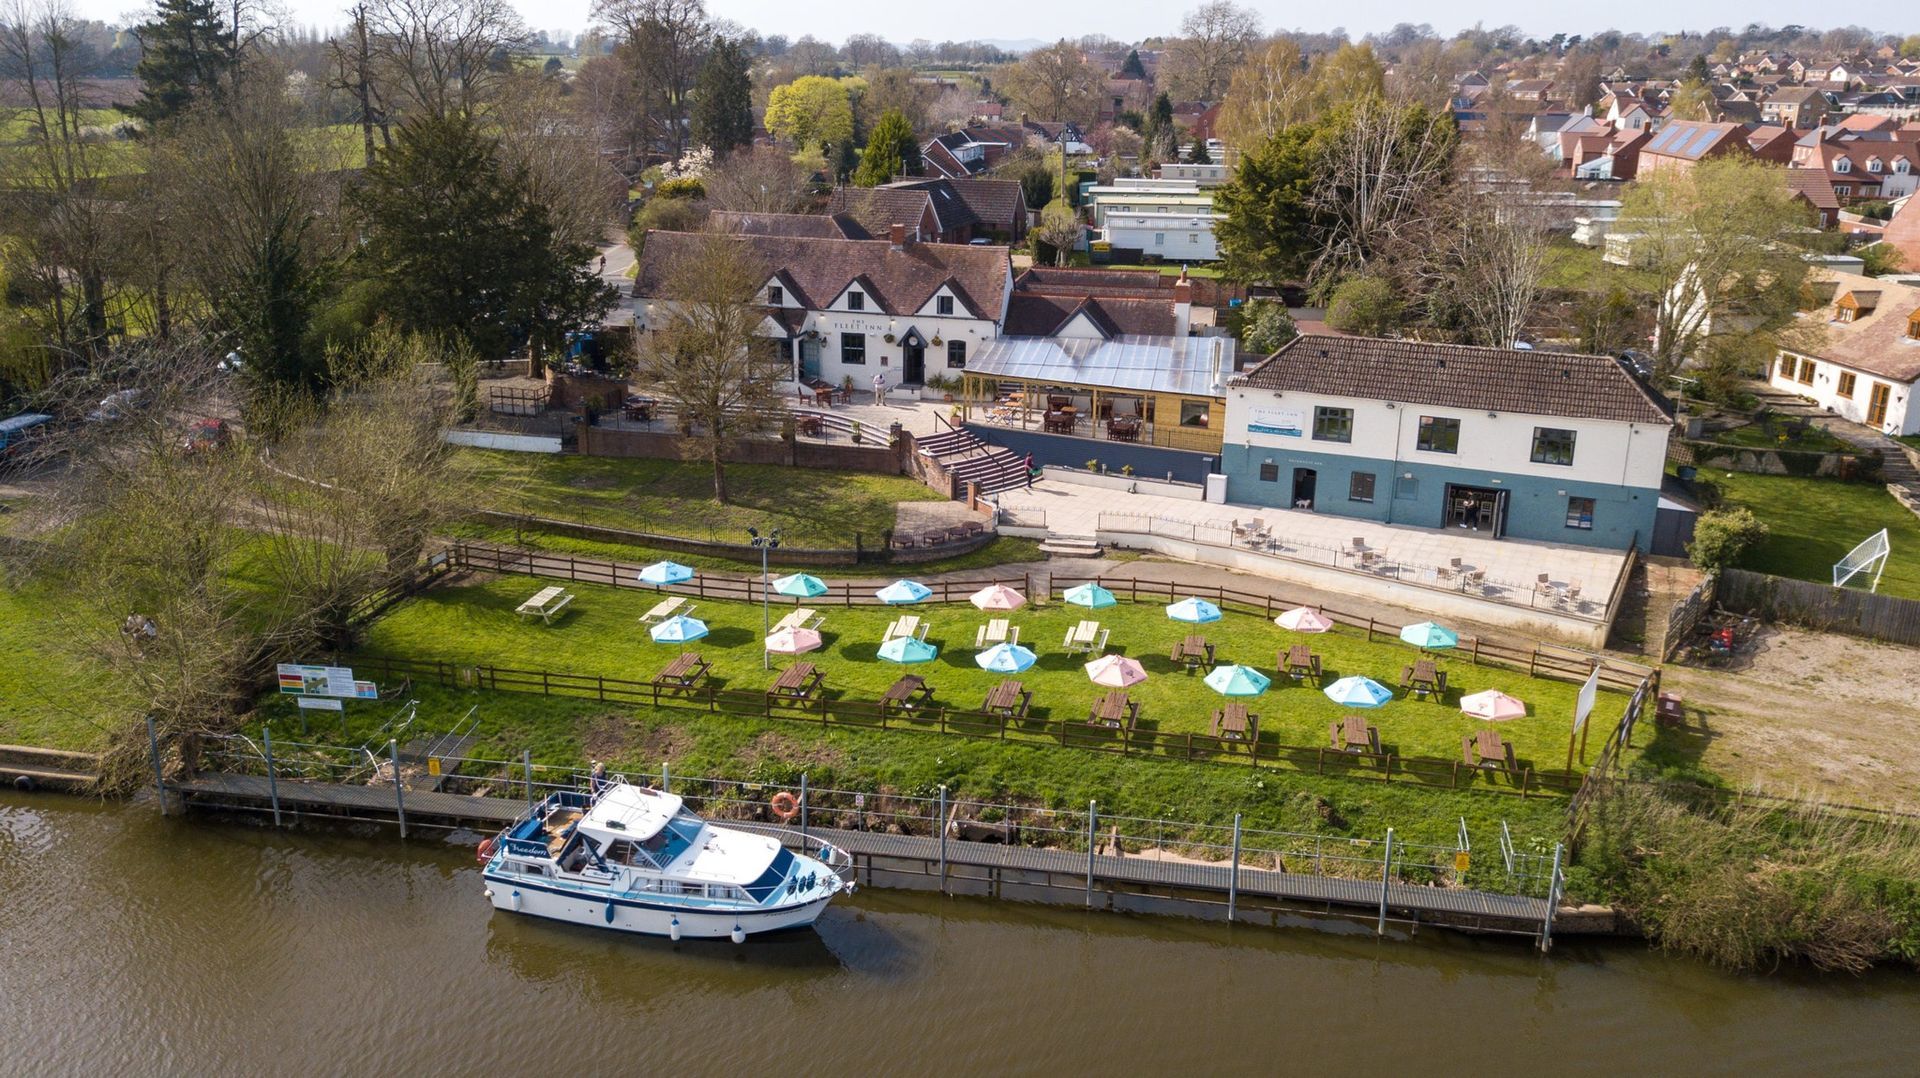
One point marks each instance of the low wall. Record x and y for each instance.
(596, 441)
(1147, 460)
(1737, 458)
(682, 545)
(1116, 481)
(490, 439)
(1439, 604)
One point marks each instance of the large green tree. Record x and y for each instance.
(891, 151)
(810, 111)
(1267, 233)
(188, 53)
(723, 98)
(461, 248)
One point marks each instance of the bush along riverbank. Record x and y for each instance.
(1750, 887)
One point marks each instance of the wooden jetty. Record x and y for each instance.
(953, 866)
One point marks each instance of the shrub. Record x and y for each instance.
(666, 215)
(1721, 536)
(1364, 305)
(686, 187)
(1266, 326)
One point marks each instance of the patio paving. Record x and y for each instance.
(1512, 565)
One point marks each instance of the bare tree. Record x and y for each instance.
(704, 352)
(1377, 180)
(762, 180)
(542, 132)
(1268, 93)
(441, 57)
(662, 43)
(950, 111)
(1214, 38)
(1054, 83)
(1488, 262)
(352, 61)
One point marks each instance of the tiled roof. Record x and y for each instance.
(1032, 314)
(878, 208)
(900, 281)
(1457, 376)
(1071, 281)
(818, 226)
(1876, 340)
(1690, 140)
(997, 203)
(1815, 185)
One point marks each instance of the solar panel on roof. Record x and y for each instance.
(1700, 143)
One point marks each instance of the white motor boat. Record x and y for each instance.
(637, 860)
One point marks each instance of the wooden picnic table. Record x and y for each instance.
(1352, 734)
(1081, 637)
(1193, 651)
(904, 625)
(1115, 709)
(996, 631)
(1486, 749)
(1299, 661)
(1424, 677)
(1008, 698)
(801, 618)
(664, 609)
(1234, 721)
(683, 673)
(901, 693)
(546, 603)
(799, 681)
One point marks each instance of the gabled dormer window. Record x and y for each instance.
(1842, 164)
(1913, 326)
(776, 296)
(856, 301)
(1902, 166)
(1873, 164)
(943, 305)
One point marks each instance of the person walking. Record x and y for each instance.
(880, 388)
(1029, 464)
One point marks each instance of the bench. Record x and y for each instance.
(665, 609)
(546, 603)
(683, 674)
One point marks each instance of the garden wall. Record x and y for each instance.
(598, 441)
(490, 439)
(1740, 458)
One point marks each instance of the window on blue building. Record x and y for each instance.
(1580, 513)
(1438, 435)
(1360, 487)
(1269, 472)
(1552, 446)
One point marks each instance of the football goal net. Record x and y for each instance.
(1870, 557)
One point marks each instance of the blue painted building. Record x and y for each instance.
(1548, 446)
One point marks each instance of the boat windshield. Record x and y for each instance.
(671, 841)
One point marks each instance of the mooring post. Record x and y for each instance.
(1233, 871)
(1386, 876)
(1553, 900)
(1093, 826)
(803, 804)
(399, 794)
(526, 769)
(941, 823)
(666, 778)
(273, 787)
(159, 780)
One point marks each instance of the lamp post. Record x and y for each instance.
(765, 543)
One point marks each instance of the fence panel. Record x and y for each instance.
(1819, 606)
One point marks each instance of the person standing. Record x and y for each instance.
(880, 388)
(1029, 464)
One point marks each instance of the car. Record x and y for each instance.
(114, 406)
(1640, 363)
(206, 435)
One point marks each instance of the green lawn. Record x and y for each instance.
(49, 696)
(600, 635)
(1003, 551)
(813, 508)
(637, 741)
(1573, 267)
(1814, 522)
(1811, 439)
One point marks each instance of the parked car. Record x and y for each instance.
(17, 431)
(1640, 363)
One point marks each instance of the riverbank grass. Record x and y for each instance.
(600, 635)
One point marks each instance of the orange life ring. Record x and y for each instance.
(485, 853)
(785, 805)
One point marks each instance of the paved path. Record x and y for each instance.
(1511, 564)
(619, 259)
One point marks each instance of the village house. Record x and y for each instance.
(938, 210)
(1683, 144)
(1866, 363)
(973, 150)
(1554, 447)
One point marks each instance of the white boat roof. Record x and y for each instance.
(632, 812)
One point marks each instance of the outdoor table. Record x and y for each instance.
(1115, 709)
(1352, 734)
(663, 609)
(1422, 677)
(798, 681)
(822, 395)
(1082, 636)
(1486, 749)
(973, 527)
(996, 631)
(797, 619)
(902, 541)
(1233, 721)
(810, 425)
(933, 538)
(1058, 422)
(1299, 661)
(683, 673)
(1008, 698)
(901, 693)
(904, 625)
(640, 408)
(1193, 651)
(546, 603)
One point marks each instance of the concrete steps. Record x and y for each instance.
(1061, 545)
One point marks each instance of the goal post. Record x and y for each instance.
(1869, 556)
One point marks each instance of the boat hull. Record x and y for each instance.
(646, 918)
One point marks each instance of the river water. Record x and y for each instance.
(133, 944)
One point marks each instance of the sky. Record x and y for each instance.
(1131, 20)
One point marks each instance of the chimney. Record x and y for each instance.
(897, 235)
(1182, 304)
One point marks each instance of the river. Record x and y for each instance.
(134, 944)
